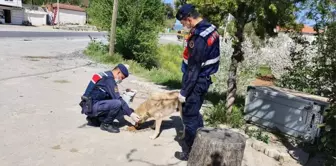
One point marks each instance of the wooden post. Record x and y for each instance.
(113, 26)
(217, 147)
(58, 19)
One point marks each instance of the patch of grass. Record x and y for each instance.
(264, 70)
(258, 134)
(217, 115)
(168, 73)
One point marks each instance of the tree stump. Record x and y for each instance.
(217, 147)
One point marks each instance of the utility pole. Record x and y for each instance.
(58, 19)
(113, 26)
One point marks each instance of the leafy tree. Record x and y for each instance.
(263, 15)
(138, 25)
(177, 4)
(299, 75)
(326, 73)
(320, 77)
(169, 11)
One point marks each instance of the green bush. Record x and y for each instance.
(169, 61)
(138, 25)
(217, 115)
(99, 52)
(317, 76)
(326, 72)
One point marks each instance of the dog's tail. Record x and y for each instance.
(165, 96)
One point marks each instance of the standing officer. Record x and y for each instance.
(200, 60)
(102, 102)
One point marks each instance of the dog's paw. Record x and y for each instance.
(153, 136)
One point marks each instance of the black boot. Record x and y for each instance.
(110, 128)
(186, 148)
(93, 121)
(182, 156)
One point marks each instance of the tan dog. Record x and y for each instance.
(159, 106)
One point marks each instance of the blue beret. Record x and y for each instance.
(184, 11)
(123, 69)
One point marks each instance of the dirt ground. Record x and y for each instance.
(264, 81)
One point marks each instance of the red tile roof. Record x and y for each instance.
(68, 7)
(306, 29)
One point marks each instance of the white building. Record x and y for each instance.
(14, 12)
(11, 11)
(69, 14)
(34, 15)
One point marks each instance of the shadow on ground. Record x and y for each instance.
(131, 159)
(216, 97)
(174, 122)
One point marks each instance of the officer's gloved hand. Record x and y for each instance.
(181, 98)
(135, 117)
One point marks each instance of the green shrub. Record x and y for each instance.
(169, 59)
(99, 52)
(138, 25)
(217, 115)
(317, 76)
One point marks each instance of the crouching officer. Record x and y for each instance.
(200, 60)
(102, 102)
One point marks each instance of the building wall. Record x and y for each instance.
(15, 3)
(16, 14)
(36, 19)
(72, 17)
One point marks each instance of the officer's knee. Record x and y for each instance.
(116, 104)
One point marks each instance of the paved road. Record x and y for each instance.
(163, 38)
(32, 34)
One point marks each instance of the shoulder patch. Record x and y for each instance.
(191, 44)
(96, 78)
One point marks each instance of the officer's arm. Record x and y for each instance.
(110, 84)
(194, 65)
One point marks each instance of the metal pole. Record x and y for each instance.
(113, 26)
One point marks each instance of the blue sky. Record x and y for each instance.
(168, 1)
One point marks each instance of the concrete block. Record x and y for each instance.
(284, 157)
(273, 153)
(257, 145)
(249, 142)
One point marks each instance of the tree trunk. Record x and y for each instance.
(236, 58)
(217, 147)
